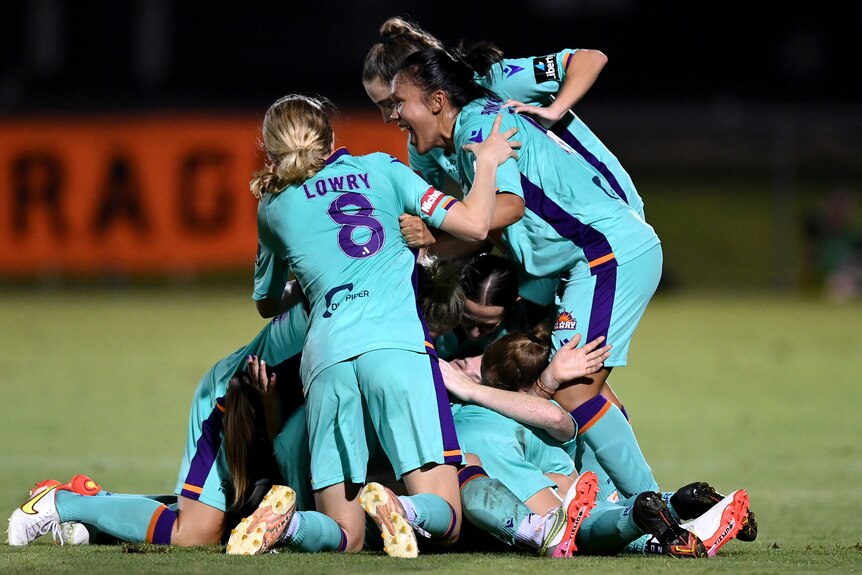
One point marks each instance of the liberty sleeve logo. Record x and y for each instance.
(430, 200)
(545, 68)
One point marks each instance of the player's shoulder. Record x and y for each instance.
(380, 160)
(477, 119)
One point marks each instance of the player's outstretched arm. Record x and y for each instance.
(584, 68)
(527, 409)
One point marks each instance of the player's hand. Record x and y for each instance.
(572, 362)
(415, 232)
(257, 370)
(545, 116)
(496, 147)
(457, 382)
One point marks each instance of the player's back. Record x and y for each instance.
(569, 203)
(340, 235)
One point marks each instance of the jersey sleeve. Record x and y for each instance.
(420, 198)
(427, 167)
(532, 80)
(270, 274)
(474, 130)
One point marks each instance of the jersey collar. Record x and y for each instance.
(337, 154)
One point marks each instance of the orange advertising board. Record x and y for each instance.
(143, 194)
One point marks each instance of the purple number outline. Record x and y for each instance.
(351, 221)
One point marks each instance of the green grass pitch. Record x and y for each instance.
(761, 393)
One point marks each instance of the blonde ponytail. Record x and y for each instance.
(297, 138)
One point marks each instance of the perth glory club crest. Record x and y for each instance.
(565, 321)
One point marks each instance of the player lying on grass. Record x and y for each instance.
(509, 366)
(231, 408)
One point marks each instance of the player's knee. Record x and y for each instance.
(472, 459)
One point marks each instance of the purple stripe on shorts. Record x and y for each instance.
(164, 527)
(207, 448)
(451, 447)
(414, 281)
(600, 166)
(593, 242)
(603, 304)
(588, 410)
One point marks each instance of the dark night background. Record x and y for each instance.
(739, 121)
(154, 54)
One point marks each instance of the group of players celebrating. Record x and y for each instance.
(466, 386)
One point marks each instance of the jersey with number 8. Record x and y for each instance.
(339, 234)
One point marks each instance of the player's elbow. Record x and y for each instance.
(476, 234)
(267, 308)
(561, 425)
(598, 60)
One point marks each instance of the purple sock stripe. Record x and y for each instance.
(342, 547)
(451, 528)
(451, 446)
(468, 473)
(585, 413)
(569, 138)
(208, 446)
(593, 242)
(164, 526)
(603, 304)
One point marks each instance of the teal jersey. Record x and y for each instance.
(204, 474)
(574, 222)
(536, 81)
(280, 341)
(518, 455)
(338, 232)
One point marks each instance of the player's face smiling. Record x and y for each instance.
(412, 113)
(378, 91)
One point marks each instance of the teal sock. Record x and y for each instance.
(311, 532)
(490, 505)
(136, 519)
(666, 495)
(609, 529)
(606, 430)
(167, 498)
(430, 513)
(639, 545)
(585, 460)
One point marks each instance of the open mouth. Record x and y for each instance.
(409, 131)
